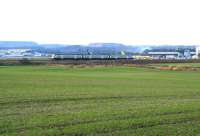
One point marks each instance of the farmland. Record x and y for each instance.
(99, 100)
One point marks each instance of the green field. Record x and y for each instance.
(58, 100)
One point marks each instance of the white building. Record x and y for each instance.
(198, 52)
(172, 55)
(164, 55)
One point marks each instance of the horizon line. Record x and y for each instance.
(90, 43)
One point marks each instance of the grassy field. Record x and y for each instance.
(57, 100)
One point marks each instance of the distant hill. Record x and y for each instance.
(92, 48)
(17, 44)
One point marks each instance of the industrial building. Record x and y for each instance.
(164, 55)
(174, 53)
(198, 52)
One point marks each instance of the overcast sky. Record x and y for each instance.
(87, 21)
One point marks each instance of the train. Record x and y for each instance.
(90, 57)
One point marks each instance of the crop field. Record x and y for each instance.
(98, 101)
(178, 64)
